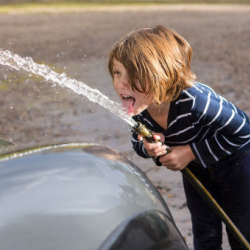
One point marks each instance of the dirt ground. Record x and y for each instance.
(37, 112)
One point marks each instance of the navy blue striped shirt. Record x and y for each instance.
(213, 127)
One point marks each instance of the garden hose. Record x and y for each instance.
(145, 133)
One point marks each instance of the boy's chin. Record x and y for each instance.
(136, 112)
(131, 114)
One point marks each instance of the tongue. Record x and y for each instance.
(128, 104)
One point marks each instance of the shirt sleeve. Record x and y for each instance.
(138, 146)
(228, 125)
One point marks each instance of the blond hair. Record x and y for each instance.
(159, 56)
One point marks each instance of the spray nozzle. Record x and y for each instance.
(143, 131)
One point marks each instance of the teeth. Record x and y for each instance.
(125, 96)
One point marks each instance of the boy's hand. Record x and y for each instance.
(178, 159)
(155, 149)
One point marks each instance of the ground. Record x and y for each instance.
(34, 111)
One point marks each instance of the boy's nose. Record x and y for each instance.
(124, 80)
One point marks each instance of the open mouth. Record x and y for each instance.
(128, 103)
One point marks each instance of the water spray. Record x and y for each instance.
(26, 63)
(143, 131)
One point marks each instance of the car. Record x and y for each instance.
(80, 196)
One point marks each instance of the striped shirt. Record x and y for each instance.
(213, 127)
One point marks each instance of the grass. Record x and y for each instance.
(60, 5)
(101, 2)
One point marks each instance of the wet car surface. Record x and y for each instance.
(80, 196)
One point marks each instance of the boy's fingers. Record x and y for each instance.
(157, 146)
(157, 137)
(160, 153)
(165, 159)
(159, 150)
(150, 147)
(140, 138)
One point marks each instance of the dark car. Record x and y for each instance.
(80, 197)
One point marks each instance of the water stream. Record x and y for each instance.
(94, 95)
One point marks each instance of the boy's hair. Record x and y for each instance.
(157, 55)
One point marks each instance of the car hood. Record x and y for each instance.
(59, 196)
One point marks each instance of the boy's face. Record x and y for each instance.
(134, 101)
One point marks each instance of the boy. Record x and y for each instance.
(152, 76)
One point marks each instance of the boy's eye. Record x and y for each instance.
(116, 72)
(137, 77)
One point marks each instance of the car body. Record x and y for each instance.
(80, 196)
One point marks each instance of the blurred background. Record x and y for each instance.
(75, 37)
